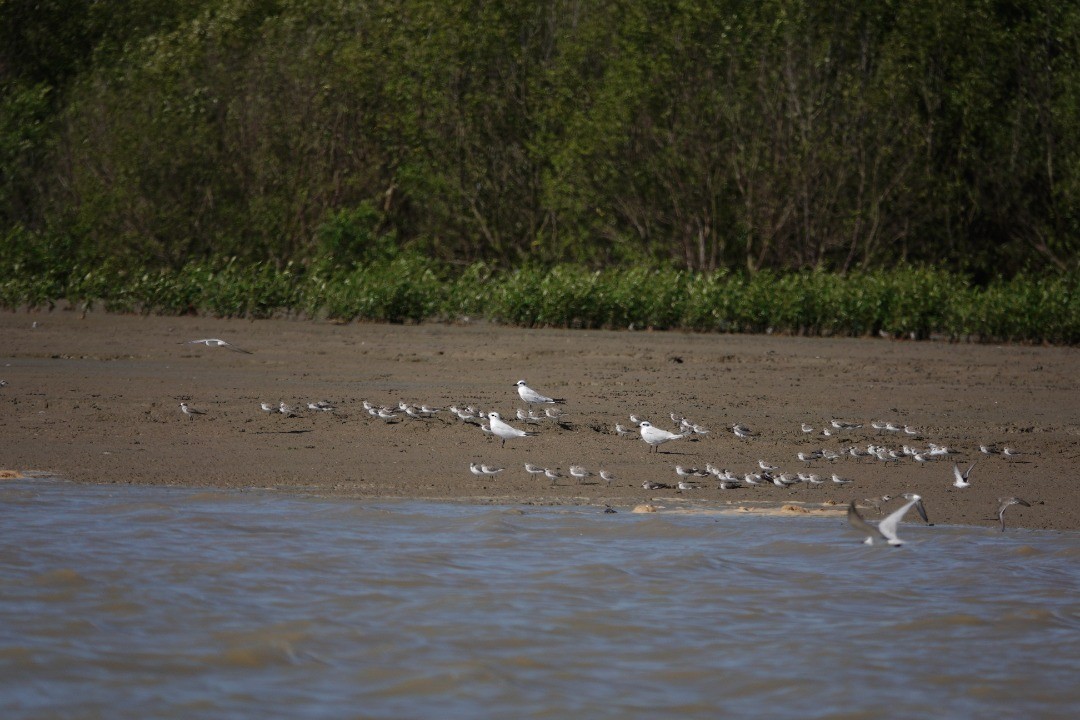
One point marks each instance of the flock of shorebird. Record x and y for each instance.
(765, 474)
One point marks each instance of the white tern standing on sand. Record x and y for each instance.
(534, 398)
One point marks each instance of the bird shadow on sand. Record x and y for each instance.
(282, 432)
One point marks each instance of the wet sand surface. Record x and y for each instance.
(96, 399)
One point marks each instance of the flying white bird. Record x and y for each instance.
(214, 342)
(886, 529)
(961, 477)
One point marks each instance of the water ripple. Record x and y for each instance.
(171, 603)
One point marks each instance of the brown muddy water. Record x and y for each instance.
(136, 602)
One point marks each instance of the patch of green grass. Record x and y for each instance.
(903, 302)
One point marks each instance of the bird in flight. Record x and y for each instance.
(215, 342)
(1005, 503)
(886, 529)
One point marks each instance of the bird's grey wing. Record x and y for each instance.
(921, 509)
(970, 468)
(856, 521)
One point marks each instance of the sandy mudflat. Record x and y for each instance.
(96, 399)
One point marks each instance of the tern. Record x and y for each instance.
(656, 437)
(214, 342)
(961, 477)
(886, 529)
(534, 398)
(1004, 503)
(504, 431)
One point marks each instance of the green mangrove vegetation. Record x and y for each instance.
(841, 167)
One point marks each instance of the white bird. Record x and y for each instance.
(491, 470)
(842, 425)
(554, 414)
(886, 529)
(840, 481)
(504, 431)
(699, 429)
(690, 472)
(623, 432)
(321, 405)
(607, 477)
(475, 469)
(655, 436)
(286, 410)
(534, 398)
(533, 469)
(267, 407)
(687, 485)
(1004, 503)
(214, 342)
(190, 411)
(766, 466)
(383, 413)
(579, 473)
(1009, 452)
(742, 431)
(961, 477)
(552, 475)
(806, 428)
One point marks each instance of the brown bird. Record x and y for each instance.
(1004, 503)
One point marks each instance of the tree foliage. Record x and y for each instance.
(776, 135)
